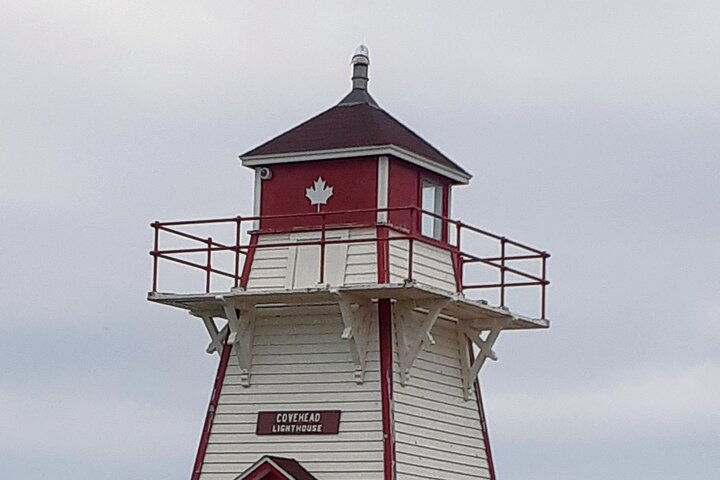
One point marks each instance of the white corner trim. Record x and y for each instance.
(370, 151)
(382, 188)
(257, 198)
(279, 468)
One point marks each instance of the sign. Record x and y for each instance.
(298, 423)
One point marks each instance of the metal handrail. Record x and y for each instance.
(207, 245)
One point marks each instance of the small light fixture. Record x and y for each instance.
(265, 173)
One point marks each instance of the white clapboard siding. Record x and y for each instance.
(305, 259)
(361, 263)
(431, 265)
(354, 475)
(438, 433)
(345, 263)
(338, 469)
(269, 269)
(300, 362)
(296, 267)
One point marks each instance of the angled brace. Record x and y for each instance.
(409, 347)
(465, 333)
(356, 320)
(241, 320)
(217, 337)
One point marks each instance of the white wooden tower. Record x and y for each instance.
(347, 310)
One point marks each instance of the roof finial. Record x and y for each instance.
(359, 93)
(360, 63)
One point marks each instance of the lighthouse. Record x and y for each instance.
(351, 313)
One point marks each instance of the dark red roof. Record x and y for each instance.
(348, 126)
(265, 468)
(292, 467)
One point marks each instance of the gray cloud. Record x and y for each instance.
(591, 128)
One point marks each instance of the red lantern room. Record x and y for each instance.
(350, 311)
(368, 158)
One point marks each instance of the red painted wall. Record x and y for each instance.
(354, 183)
(404, 190)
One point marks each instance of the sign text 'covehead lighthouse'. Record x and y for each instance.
(346, 310)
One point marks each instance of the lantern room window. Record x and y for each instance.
(432, 203)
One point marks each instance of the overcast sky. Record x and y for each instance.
(592, 129)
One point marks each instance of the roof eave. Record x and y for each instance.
(264, 459)
(457, 175)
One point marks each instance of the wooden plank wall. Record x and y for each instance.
(361, 262)
(270, 265)
(438, 433)
(431, 265)
(346, 264)
(299, 267)
(300, 363)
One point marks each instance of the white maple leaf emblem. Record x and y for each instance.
(319, 193)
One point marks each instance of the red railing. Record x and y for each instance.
(512, 264)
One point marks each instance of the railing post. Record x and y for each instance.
(208, 268)
(156, 242)
(544, 282)
(502, 271)
(458, 259)
(458, 230)
(238, 234)
(517, 252)
(382, 254)
(322, 248)
(411, 244)
(418, 219)
(460, 267)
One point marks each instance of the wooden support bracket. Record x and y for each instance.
(217, 337)
(475, 335)
(241, 320)
(356, 315)
(407, 319)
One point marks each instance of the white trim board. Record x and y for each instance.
(257, 198)
(382, 188)
(401, 153)
(259, 463)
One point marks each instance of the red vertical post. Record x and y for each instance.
(214, 399)
(386, 386)
(458, 232)
(418, 218)
(322, 249)
(502, 272)
(411, 241)
(247, 265)
(382, 255)
(483, 426)
(460, 267)
(155, 255)
(208, 268)
(458, 259)
(445, 226)
(238, 236)
(544, 283)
